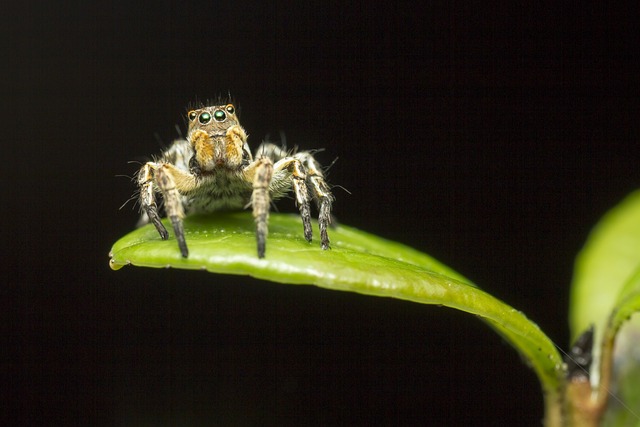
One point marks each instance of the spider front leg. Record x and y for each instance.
(262, 171)
(261, 174)
(169, 180)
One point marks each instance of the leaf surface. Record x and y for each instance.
(357, 262)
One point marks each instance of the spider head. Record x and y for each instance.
(216, 137)
(214, 120)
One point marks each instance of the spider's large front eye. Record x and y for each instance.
(204, 118)
(230, 109)
(192, 115)
(219, 115)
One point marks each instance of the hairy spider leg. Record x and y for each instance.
(321, 194)
(170, 181)
(263, 173)
(148, 198)
(297, 171)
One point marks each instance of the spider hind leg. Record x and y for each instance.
(321, 193)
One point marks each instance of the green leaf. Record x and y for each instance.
(357, 262)
(625, 328)
(627, 304)
(606, 293)
(605, 264)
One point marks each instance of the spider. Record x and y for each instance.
(213, 169)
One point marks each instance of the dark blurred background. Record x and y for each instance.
(492, 137)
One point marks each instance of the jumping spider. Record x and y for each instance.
(213, 169)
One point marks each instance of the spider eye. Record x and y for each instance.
(192, 115)
(220, 116)
(230, 109)
(204, 118)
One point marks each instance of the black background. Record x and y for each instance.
(490, 136)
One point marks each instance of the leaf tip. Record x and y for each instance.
(115, 265)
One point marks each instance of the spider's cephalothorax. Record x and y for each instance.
(213, 169)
